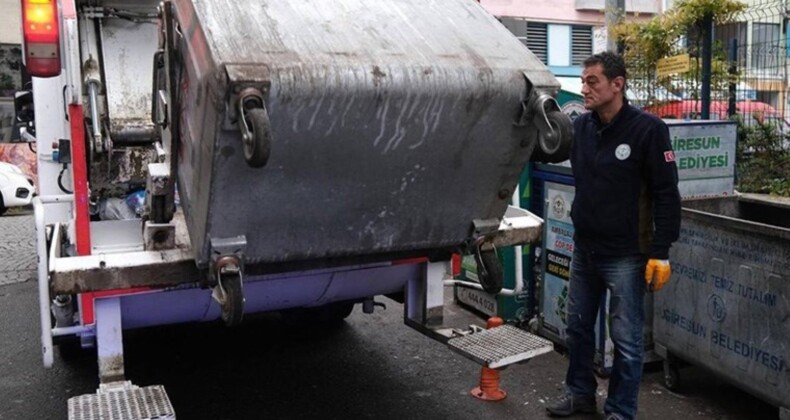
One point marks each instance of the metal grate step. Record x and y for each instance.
(122, 401)
(500, 346)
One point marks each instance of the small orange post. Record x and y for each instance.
(489, 378)
(456, 265)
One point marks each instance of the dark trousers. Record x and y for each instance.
(591, 276)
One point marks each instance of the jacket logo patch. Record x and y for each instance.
(622, 152)
(669, 156)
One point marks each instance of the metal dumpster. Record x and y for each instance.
(389, 126)
(727, 306)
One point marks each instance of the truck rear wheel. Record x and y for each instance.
(327, 316)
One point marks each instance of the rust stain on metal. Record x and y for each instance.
(159, 275)
(127, 166)
(248, 72)
(132, 129)
(518, 236)
(111, 368)
(378, 75)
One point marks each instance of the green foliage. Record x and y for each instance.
(6, 81)
(763, 159)
(691, 12)
(10, 65)
(763, 155)
(646, 42)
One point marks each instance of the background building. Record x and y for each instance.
(10, 52)
(10, 22)
(562, 33)
(10, 81)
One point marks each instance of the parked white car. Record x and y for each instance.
(16, 189)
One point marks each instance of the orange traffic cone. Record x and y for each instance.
(489, 378)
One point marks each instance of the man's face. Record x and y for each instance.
(598, 91)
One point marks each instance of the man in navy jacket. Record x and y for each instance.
(626, 214)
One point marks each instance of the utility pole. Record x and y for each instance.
(733, 70)
(614, 11)
(707, 58)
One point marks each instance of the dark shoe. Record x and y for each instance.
(614, 416)
(569, 404)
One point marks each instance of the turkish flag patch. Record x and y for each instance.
(669, 156)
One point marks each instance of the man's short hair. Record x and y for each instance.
(612, 63)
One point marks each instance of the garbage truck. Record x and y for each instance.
(202, 160)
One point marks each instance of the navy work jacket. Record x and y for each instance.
(627, 200)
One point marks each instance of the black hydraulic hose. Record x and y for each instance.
(60, 180)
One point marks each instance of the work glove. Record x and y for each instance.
(657, 274)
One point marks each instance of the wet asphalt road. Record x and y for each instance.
(370, 367)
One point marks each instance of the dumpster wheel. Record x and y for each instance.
(671, 375)
(555, 130)
(554, 145)
(258, 140)
(489, 270)
(233, 305)
(229, 292)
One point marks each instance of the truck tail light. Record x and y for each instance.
(41, 37)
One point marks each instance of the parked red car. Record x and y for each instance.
(751, 111)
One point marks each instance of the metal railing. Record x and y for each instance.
(754, 48)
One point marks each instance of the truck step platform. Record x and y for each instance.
(122, 401)
(500, 346)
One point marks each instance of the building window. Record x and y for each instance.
(581, 44)
(553, 44)
(538, 40)
(766, 47)
(762, 51)
(724, 34)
